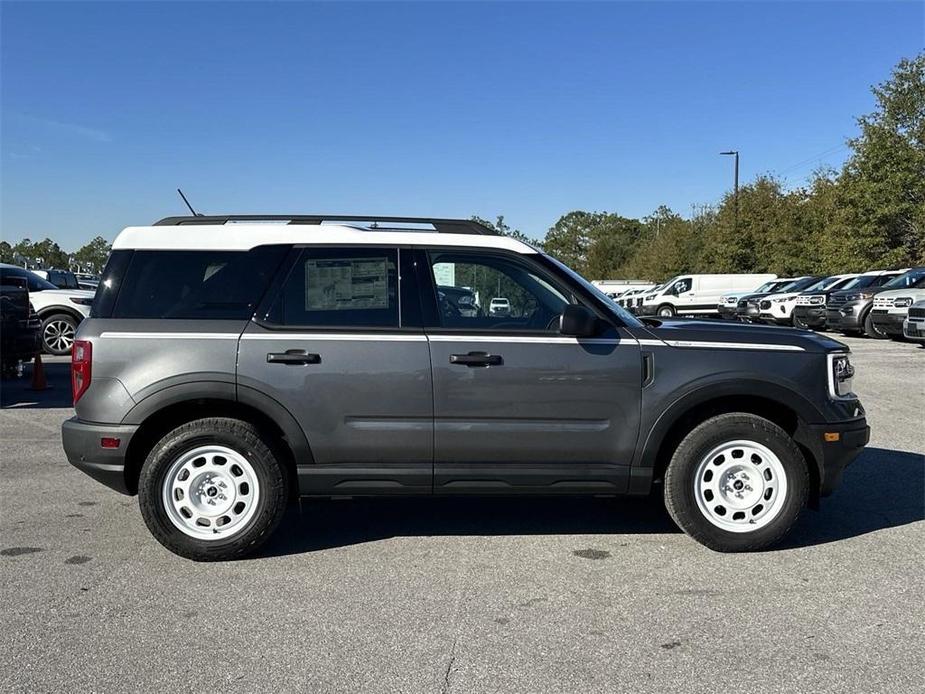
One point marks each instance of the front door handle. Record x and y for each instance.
(477, 359)
(294, 357)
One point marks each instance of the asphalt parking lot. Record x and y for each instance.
(468, 595)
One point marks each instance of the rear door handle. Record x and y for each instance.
(293, 357)
(477, 359)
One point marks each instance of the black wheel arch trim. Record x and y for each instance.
(671, 415)
(227, 391)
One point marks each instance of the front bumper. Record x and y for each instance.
(914, 329)
(834, 456)
(726, 312)
(772, 319)
(890, 323)
(847, 317)
(813, 316)
(83, 449)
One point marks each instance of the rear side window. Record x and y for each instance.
(193, 284)
(336, 287)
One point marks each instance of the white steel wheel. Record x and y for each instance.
(740, 486)
(211, 492)
(58, 335)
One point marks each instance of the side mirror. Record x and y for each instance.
(577, 321)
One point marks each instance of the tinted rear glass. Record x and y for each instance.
(192, 284)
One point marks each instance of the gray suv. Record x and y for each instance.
(232, 363)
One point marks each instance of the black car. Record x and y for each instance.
(20, 328)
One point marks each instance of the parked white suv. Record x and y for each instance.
(60, 310)
(692, 295)
(891, 307)
(914, 325)
(499, 306)
(778, 308)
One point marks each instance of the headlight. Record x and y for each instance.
(816, 300)
(902, 302)
(781, 300)
(841, 374)
(81, 301)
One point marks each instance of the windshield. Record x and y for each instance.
(766, 287)
(822, 285)
(910, 279)
(800, 284)
(627, 317)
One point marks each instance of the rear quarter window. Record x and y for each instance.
(197, 285)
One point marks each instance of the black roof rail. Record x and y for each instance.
(443, 226)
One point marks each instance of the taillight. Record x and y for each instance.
(81, 367)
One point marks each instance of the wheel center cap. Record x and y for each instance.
(211, 491)
(737, 485)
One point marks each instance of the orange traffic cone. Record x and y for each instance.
(38, 374)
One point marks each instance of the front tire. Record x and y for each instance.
(212, 490)
(736, 483)
(871, 329)
(665, 311)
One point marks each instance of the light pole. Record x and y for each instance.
(735, 198)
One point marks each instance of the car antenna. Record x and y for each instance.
(195, 213)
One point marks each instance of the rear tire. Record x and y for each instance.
(736, 483)
(212, 490)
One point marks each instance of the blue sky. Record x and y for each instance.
(527, 110)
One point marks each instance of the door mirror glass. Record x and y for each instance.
(577, 321)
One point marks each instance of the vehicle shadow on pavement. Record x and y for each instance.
(882, 489)
(17, 392)
(325, 524)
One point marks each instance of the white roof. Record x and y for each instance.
(242, 237)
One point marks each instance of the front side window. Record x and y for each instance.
(337, 287)
(493, 292)
(681, 286)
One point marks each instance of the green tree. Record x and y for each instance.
(93, 255)
(880, 208)
(671, 246)
(6, 252)
(595, 244)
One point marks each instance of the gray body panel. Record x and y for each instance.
(557, 413)
(138, 365)
(367, 402)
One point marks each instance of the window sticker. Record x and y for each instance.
(346, 284)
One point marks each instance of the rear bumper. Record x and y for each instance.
(813, 316)
(82, 446)
(835, 456)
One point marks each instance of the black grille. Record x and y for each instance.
(742, 304)
(880, 311)
(836, 300)
(917, 312)
(765, 305)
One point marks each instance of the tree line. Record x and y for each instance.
(870, 214)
